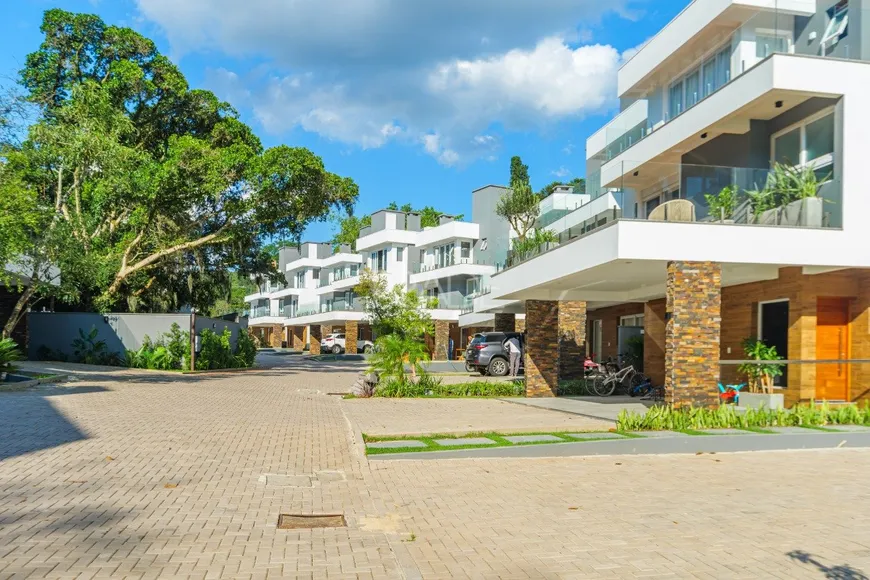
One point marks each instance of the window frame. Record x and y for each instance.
(831, 37)
(818, 162)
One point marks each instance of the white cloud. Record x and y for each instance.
(438, 74)
(561, 173)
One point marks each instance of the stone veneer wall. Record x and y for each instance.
(315, 335)
(351, 332)
(572, 338)
(504, 322)
(520, 325)
(277, 337)
(692, 333)
(542, 348)
(654, 341)
(298, 337)
(442, 340)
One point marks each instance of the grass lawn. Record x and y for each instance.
(499, 439)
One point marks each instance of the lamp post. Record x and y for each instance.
(193, 339)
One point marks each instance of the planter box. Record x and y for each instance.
(807, 212)
(759, 400)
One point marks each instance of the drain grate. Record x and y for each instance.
(303, 522)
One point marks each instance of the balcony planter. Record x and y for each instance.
(760, 400)
(806, 212)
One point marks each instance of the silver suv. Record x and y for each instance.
(335, 343)
(488, 355)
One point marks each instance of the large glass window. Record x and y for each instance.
(820, 138)
(709, 82)
(693, 88)
(675, 99)
(465, 250)
(787, 147)
(723, 67)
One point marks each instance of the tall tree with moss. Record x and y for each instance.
(153, 184)
(519, 206)
(519, 173)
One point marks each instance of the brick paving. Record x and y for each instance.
(156, 476)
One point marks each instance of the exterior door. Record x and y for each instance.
(832, 343)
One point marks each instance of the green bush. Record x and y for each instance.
(668, 418)
(429, 386)
(88, 350)
(9, 353)
(575, 388)
(246, 349)
(167, 353)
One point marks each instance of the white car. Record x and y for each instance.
(335, 343)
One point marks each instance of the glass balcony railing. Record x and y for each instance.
(808, 196)
(420, 268)
(260, 312)
(445, 303)
(773, 30)
(340, 307)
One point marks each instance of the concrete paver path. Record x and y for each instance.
(155, 476)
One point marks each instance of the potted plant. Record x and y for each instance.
(760, 375)
(790, 197)
(722, 205)
(9, 353)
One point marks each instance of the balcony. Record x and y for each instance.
(724, 88)
(737, 200)
(452, 267)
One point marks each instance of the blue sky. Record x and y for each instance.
(418, 102)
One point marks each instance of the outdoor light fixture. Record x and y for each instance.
(703, 135)
(635, 173)
(778, 104)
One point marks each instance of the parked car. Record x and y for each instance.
(335, 343)
(488, 355)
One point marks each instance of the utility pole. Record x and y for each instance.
(193, 339)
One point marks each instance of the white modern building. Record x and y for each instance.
(726, 202)
(447, 264)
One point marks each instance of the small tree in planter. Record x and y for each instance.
(759, 375)
(722, 205)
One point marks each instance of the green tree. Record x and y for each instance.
(156, 187)
(393, 311)
(578, 183)
(519, 207)
(234, 301)
(519, 172)
(349, 228)
(429, 216)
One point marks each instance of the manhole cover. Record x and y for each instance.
(301, 522)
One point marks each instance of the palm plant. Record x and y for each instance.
(393, 351)
(9, 353)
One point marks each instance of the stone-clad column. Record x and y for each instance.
(315, 336)
(298, 337)
(442, 340)
(692, 331)
(572, 339)
(277, 335)
(504, 322)
(542, 348)
(520, 324)
(351, 332)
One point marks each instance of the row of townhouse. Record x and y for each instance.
(448, 264)
(728, 199)
(724, 202)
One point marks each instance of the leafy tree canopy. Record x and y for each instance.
(578, 183)
(154, 186)
(519, 172)
(393, 310)
(349, 228)
(429, 216)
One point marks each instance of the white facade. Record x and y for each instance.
(791, 92)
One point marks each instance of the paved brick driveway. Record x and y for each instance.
(167, 476)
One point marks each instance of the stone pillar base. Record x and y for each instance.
(692, 333)
(315, 336)
(442, 340)
(298, 337)
(351, 333)
(277, 336)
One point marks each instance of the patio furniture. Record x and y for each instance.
(730, 393)
(676, 210)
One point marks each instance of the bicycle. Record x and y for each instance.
(606, 384)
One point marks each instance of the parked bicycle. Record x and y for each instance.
(607, 382)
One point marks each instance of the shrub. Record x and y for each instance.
(246, 349)
(393, 351)
(215, 351)
(429, 386)
(9, 353)
(49, 354)
(575, 388)
(726, 416)
(88, 350)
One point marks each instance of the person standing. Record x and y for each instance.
(514, 352)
